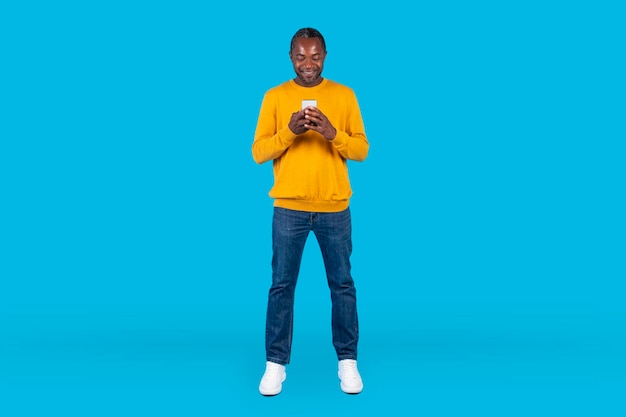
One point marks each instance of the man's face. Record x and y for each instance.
(307, 56)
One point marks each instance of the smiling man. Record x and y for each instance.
(309, 127)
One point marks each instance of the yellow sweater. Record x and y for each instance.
(310, 172)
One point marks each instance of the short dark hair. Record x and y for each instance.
(308, 33)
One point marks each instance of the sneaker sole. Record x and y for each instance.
(352, 391)
(355, 390)
(272, 393)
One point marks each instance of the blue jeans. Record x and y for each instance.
(333, 231)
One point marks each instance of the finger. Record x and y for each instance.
(317, 113)
(313, 117)
(316, 121)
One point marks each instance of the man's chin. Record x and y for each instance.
(310, 80)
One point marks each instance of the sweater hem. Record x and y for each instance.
(312, 206)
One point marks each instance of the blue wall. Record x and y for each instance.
(488, 218)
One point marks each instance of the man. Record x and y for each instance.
(309, 127)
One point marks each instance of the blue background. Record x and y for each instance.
(488, 218)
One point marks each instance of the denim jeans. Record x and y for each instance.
(333, 231)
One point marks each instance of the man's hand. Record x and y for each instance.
(317, 121)
(297, 123)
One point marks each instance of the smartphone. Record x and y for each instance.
(308, 103)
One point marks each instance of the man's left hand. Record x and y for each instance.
(317, 121)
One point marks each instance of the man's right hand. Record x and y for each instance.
(297, 122)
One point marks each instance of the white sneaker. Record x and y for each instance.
(351, 382)
(273, 378)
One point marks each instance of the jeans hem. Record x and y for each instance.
(278, 361)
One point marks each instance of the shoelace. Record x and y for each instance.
(273, 371)
(349, 370)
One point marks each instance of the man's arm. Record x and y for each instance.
(354, 147)
(269, 141)
(353, 144)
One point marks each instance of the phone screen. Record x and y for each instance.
(309, 103)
